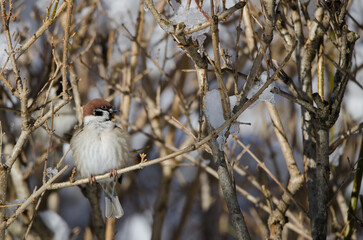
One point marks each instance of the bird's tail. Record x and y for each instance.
(113, 208)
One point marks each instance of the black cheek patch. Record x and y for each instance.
(98, 112)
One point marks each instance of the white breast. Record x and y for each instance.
(98, 150)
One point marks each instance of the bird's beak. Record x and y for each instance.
(114, 110)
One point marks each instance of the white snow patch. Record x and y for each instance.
(267, 95)
(51, 172)
(121, 12)
(190, 18)
(136, 227)
(3, 55)
(166, 99)
(214, 113)
(353, 97)
(200, 40)
(56, 224)
(336, 155)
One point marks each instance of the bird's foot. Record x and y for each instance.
(92, 179)
(113, 173)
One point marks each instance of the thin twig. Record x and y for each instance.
(65, 49)
(34, 195)
(41, 30)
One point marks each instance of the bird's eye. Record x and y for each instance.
(104, 107)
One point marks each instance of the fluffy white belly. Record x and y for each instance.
(101, 152)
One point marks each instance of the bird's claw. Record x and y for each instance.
(92, 179)
(113, 173)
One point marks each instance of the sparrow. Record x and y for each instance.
(100, 146)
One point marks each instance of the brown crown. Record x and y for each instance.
(93, 104)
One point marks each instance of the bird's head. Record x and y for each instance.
(98, 110)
